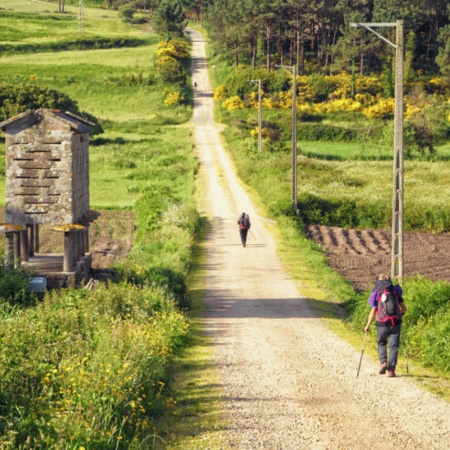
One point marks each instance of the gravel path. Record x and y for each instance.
(288, 382)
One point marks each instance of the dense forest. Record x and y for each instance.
(314, 34)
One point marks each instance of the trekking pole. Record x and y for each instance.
(405, 353)
(362, 352)
(252, 234)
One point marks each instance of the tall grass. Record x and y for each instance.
(86, 368)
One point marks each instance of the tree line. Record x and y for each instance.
(313, 35)
(316, 34)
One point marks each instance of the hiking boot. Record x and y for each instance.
(391, 373)
(383, 368)
(244, 244)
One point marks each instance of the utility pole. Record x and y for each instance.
(80, 17)
(294, 134)
(258, 83)
(397, 203)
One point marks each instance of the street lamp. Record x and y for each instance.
(258, 83)
(294, 133)
(397, 204)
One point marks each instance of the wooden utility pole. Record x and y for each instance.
(397, 204)
(294, 134)
(258, 83)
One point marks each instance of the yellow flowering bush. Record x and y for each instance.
(253, 99)
(371, 85)
(174, 99)
(383, 109)
(221, 92)
(411, 110)
(233, 103)
(175, 48)
(269, 103)
(345, 104)
(285, 99)
(266, 133)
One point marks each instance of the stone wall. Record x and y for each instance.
(47, 170)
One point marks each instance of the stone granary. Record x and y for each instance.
(47, 182)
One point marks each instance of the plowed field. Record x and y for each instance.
(360, 255)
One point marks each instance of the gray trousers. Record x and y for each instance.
(389, 335)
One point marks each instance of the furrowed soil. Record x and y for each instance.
(286, 381)
(361, 255)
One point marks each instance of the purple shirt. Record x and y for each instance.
(373, 299)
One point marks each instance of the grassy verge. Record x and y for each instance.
(197, 420)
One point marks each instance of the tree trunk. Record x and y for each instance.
(268, 48)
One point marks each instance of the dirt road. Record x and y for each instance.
(287, 382)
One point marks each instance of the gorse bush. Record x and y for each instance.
(170, 61)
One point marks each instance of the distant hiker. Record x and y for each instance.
(195, 85)
(244, 226)
(387, 305)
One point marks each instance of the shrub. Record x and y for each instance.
(382, 110)
(87, 367)
(174, 98)
(321, 87)
(126, 12)
(221, 92)
(324, 132)
(13, 285)
(233, 103)
(176, 48)
(171, 71)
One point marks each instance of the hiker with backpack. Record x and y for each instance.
(244, 226)
(388, 306)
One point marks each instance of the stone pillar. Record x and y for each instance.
(36, 238)
(24, 246)
(86, 237)
(9, 250)
(82, 242)
(68, 251)
(16, 239)
(30, 240)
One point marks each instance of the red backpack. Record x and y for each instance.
(245, 222)
(388, 306)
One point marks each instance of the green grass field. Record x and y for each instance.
(117, 85)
